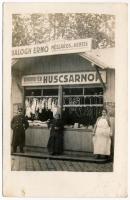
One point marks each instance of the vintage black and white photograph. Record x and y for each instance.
(66, 84)
(63, 92)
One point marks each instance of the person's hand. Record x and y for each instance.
(110, 133)
(24, 126)
(93, 133)
(56, 128)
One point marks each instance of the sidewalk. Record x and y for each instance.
(22, 163)
(67, 156)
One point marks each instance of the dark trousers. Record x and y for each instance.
(15, 148)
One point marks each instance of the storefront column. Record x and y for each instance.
(23, 99)
(100, 78)
(60, 99)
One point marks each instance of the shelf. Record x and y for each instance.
(64, 96)
(40, 96)
(86, 105)
(82, 96)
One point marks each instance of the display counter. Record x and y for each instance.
(74, 139)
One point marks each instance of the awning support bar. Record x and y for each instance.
(100, 78)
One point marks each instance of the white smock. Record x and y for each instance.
(102, 140)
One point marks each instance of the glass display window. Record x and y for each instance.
(80, 104)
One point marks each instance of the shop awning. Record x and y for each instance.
(104, 58)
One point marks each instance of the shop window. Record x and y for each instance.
(93, 91)
(82, 106)
(73, 91)
(50, 92)
(35, 92)
(40, 103)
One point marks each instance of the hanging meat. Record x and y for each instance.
(27, 108)
(49, 103)
(43, 103)
(37, 105)
(33, 106)
(40, 106)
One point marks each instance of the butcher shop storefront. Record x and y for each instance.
(77, 85)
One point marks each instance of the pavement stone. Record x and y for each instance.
(24, 163)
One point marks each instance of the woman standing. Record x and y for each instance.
(102, 136)
(55, 142)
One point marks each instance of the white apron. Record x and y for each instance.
(102, 140)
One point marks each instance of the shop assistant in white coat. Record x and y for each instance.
(102, 135)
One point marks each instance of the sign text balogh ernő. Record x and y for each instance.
(52, 48)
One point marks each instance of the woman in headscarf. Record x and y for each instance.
(55, 142)
(102, 136)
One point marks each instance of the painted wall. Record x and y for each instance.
(109, 95)
(16, 95)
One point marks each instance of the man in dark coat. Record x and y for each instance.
(19, 124)
(55, 142)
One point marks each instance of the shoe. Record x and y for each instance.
(97, 156)
(103, 157)
(51, 154)
(22, 151)
(13, 152)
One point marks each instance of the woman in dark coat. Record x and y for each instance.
(19, 124)
(55, 142)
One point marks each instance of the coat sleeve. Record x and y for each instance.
(50, 123)
(60, 125)
(95, 126)
(13, 123)
(108, 121)
(26, 124)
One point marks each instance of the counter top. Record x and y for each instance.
(65, 129)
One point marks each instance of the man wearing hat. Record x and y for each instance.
(19, 124)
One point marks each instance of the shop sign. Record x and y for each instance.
(63, 79)
(52, 48)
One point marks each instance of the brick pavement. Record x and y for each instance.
(23, 163)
